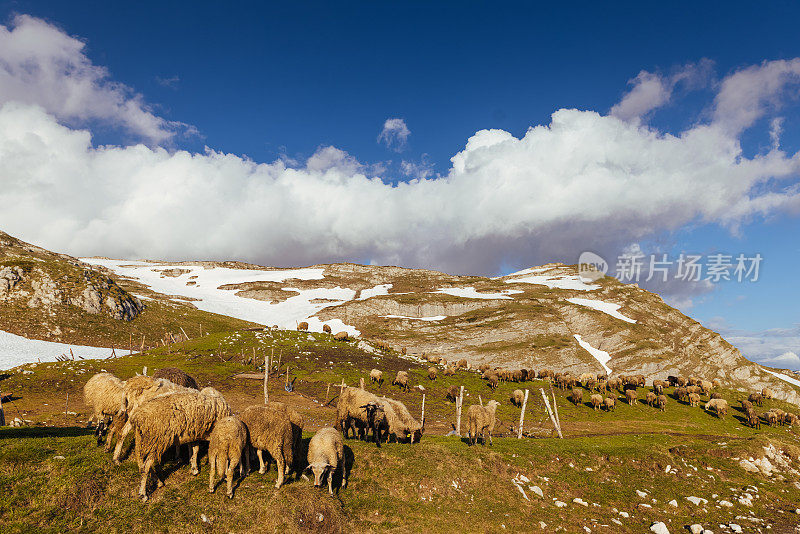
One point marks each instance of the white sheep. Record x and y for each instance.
(326, 456)
(481, 419)
(226, 444)
(103, 393)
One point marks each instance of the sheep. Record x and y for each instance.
(680, 393)
(612, 383)
(176, 376)
(226, 444)
(650, 398)
(630, 396)
(341, 336)
(401, 380)
(672, 380)
(449, 371)
(137, 390)
(694, 381)
(682, 382)
(452, 393)
(577, 396)
(706, 386)
(756, 399)
(270, 429)
(103, 393)
(326, 456)
(767, 393)
(781, 415)
(609, 403)
(302, 326)
(591, 384)
(432, 373)
(693, 389)
(360, 408)
(658, 387)
(747, 406)
(398, 420)
(481, 420)
(715, 395)
(720, 406)
(546, 374)
(585, 377)
(753, 420)
(792, 419)
(596, 401)
(326, 328)
(173, 418)
(432, 359)
(482, 368)
(661, 402)
(771, 418)
(462, 364)
(493, 382)
(517, 397)
(376, 375)
(694, 399)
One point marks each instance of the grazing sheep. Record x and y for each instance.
(771, 418)
(517, 397)
(103, 393)
(432, 373)
(650, 398)
(462, 364)
(376, 375)
(792, 419)
(715, 395)
(747, 406)
(756, 399)
(613, 383)
(767, 393)
(630, 396)
(546, 374)
(326, 328)
(482, 368)
(694, 399)
(661, 402)
(481, 420)
(596, 401)
(326, 456)
(449, 371)
(341, 336)
(682, 382)
(610, 404)
(358, 408)
(176, 376)
(302, 326)
(658, 387)
(577, 396)
(693, 389)
(270, 429)
(672, 380)
(694, 381)
(720, 407)
(399, 421)
(401, 380)
(591, 385)
(432, 359)
(706, 386)
(226, 444)
(585, 377)
(452, 393)
(173, 418)
(680, 393)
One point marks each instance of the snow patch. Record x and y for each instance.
(599, 355)
(557, 282)
(377, 291)
(472, 293)
(433, 318)
(605, 307)
(17, 350)
(784, 377)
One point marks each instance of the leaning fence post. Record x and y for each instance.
(423, 410)
(550, 411)
(266, 378)
(555, 407)
(458, 410)
(522, 415)
(327, 392)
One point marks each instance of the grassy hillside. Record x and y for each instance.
(439, 485)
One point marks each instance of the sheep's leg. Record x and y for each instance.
(193, 461)
(229, 476)
(344, 474)
(212, 469)
(121, 441)
(262, 469)
(159, 475)
(281, 468)
(330, 481)
(145, 475)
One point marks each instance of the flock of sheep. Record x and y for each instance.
(168, 410)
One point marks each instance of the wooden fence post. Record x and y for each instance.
(327, 392)
(423, 410)
(522, 415)
(361, 382)
(266, 378)
(555, 407)
(458, 410)
(550, 411)
(144, 370)
(2, 413)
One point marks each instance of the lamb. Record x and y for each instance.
(756, 399)
(577, 396)
(270, 429)
(493, 382)
(398, 420)
(480, 420)
(326, 456)
(720, 406)
(630, 396)
(517, 397)
(694, 399)
(610, 404)
(596, 401)
(432, 373)
(401, 380)
(376, 375)
(661, 402)
(103, 393)
(326, 328)
(767, 393)
(302, 326)
(452, 393)
(651, 398)
(176, 376)
(358, 407)
(226, 444)
(173, 418)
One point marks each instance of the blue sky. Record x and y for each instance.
(311, 85)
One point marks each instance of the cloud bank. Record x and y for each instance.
(584, 181)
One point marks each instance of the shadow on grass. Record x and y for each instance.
(44, 432)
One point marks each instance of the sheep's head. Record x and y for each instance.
(492, 404)
(319, 469)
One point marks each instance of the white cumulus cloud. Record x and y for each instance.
(394, 134)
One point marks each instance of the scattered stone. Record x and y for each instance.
(561, 504)
(624, 514)
(748, 466)
(697, 500)
(616, 521)
(668, 468)
(641, 494)
(746, 500)
(659, 528)
(537, 490)
(734, 527)
(578, 500)
(673, 503)
(644, 505)
(726, 504)
(697, 528)
(542, 525)
(587, 529)
(59, 457)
